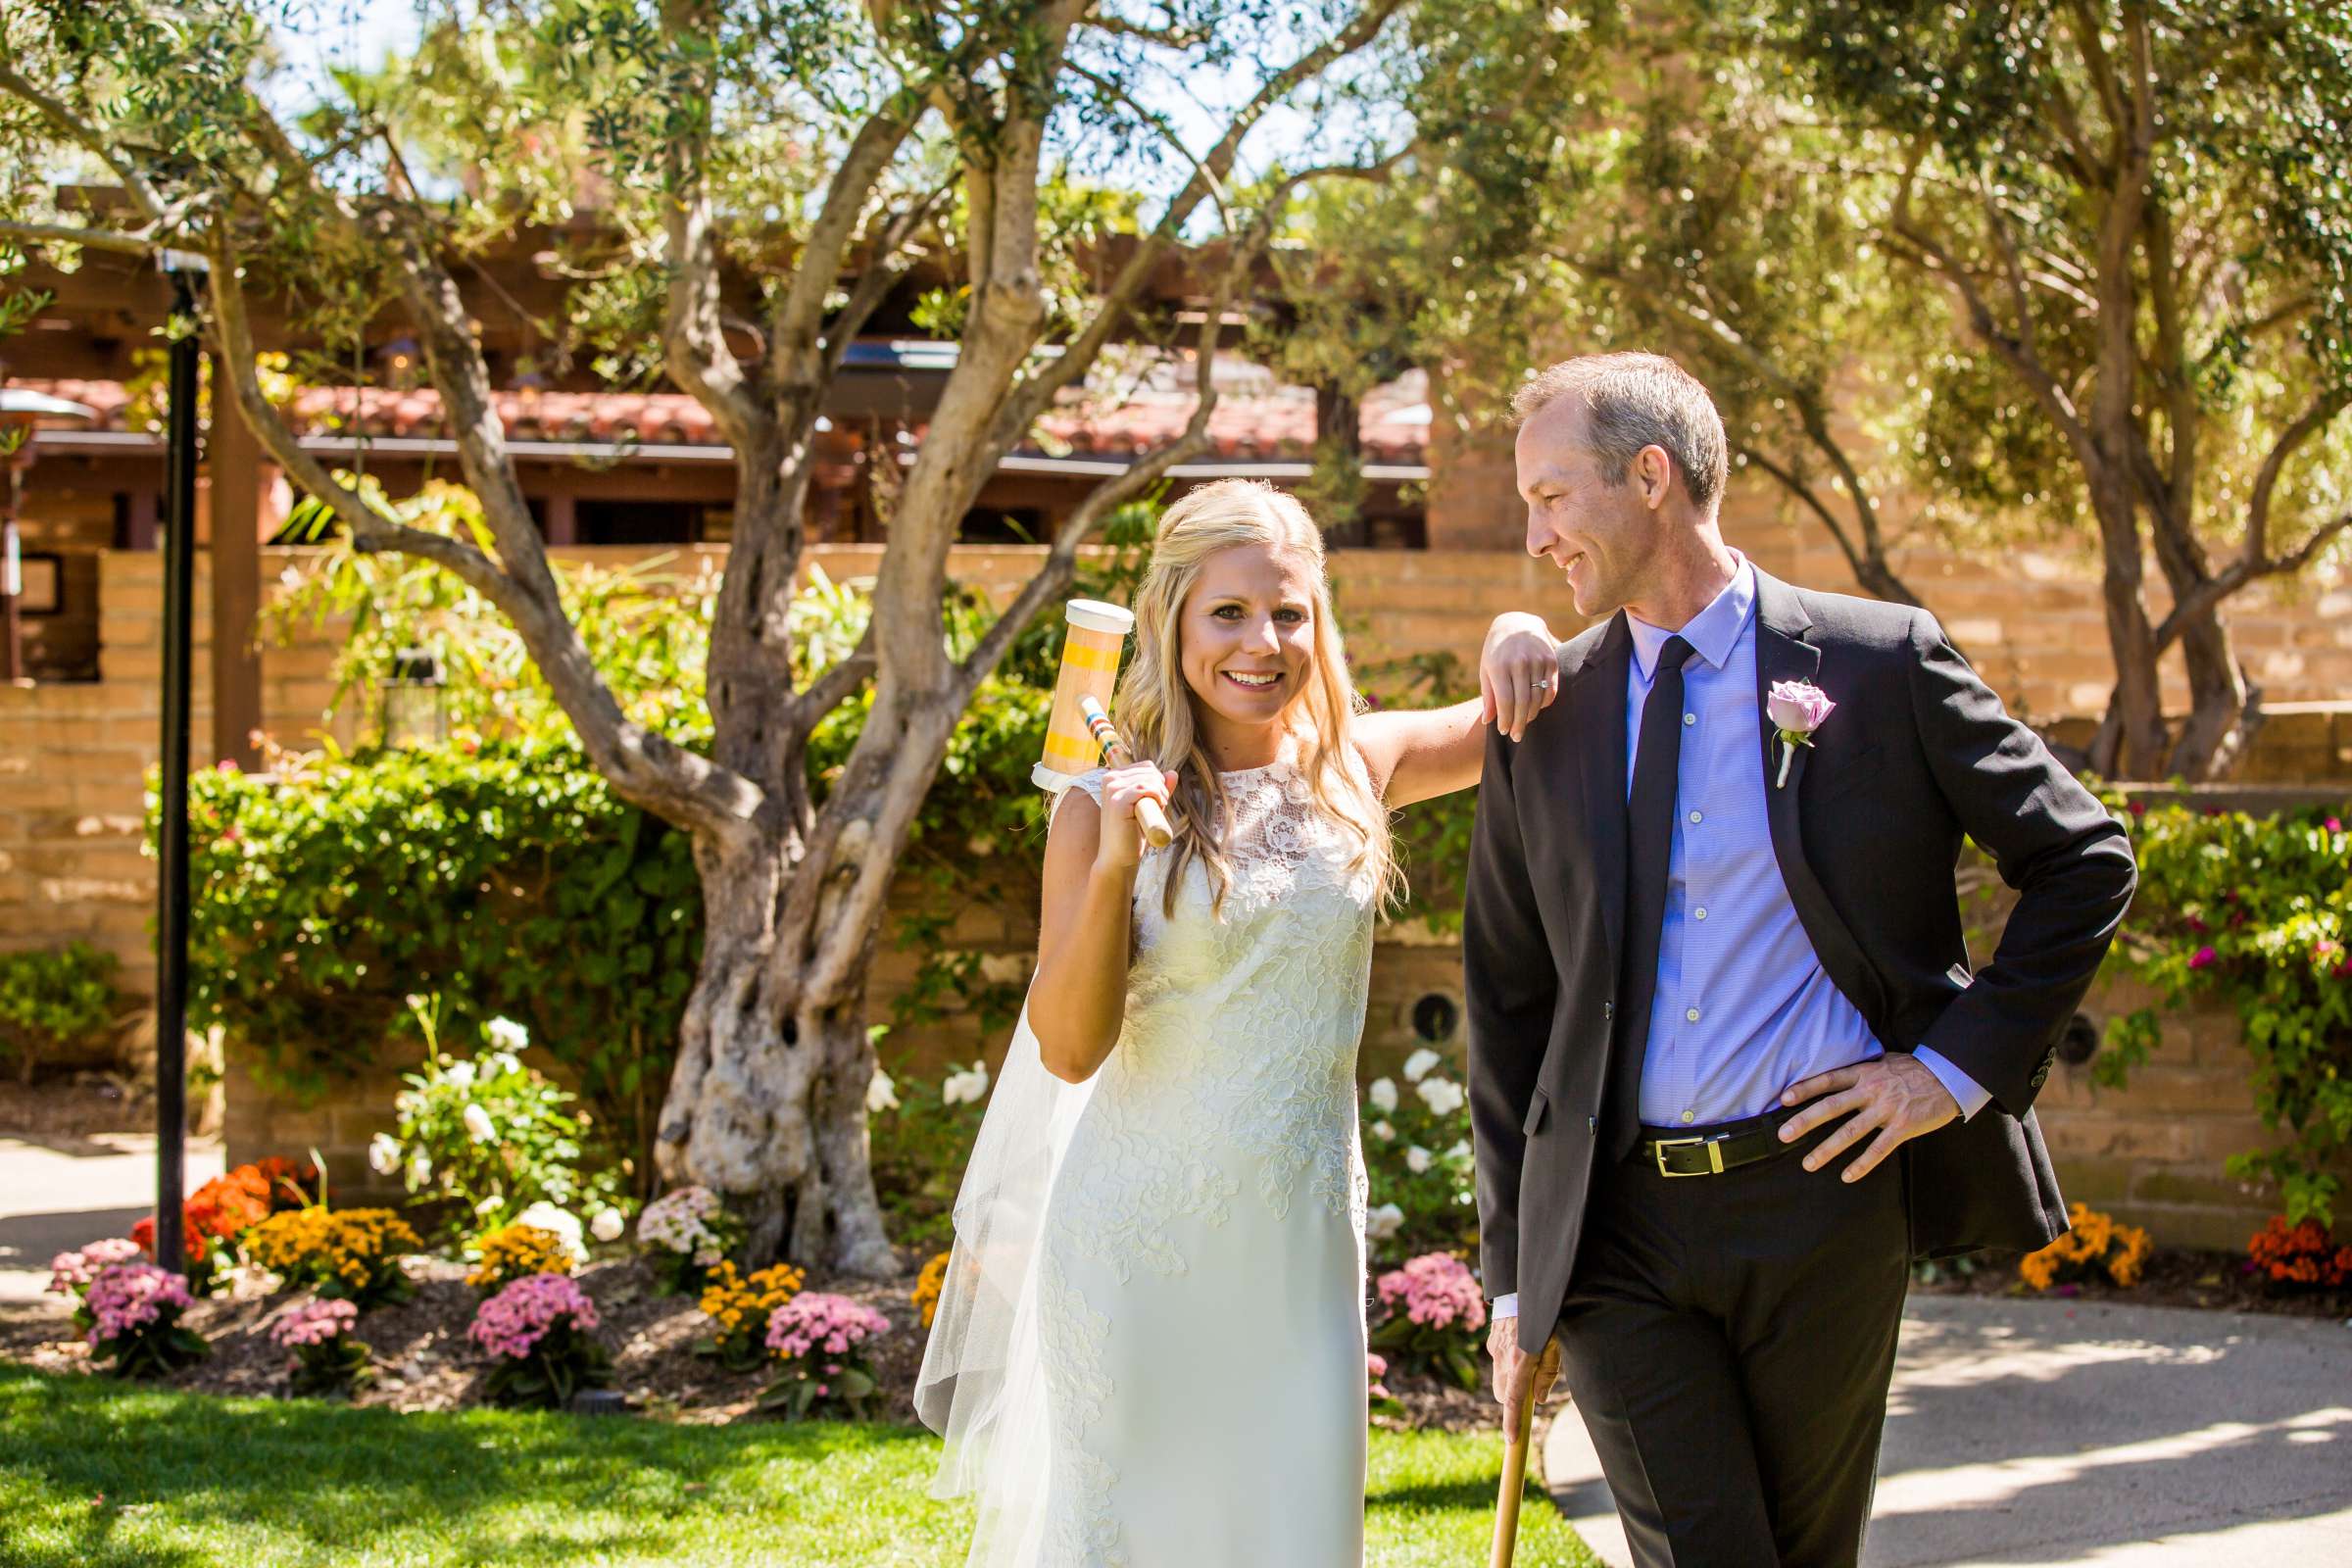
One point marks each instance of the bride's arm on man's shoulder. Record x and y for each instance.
(1414, 754)
(1091, 852)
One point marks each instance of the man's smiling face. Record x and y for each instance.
(1601, 536)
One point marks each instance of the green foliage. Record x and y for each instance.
(1418, 1157)
(501, 882)
(489, 1136)
(48, 999)
(2253, 912)
(921, 1143)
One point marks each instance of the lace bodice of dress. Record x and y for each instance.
(1235, 1069)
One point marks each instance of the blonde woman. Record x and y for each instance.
(1150, 1347)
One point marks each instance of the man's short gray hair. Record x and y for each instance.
(1633, 401)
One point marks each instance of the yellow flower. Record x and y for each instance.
(934, 1278)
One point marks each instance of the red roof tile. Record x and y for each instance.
(1275, 425)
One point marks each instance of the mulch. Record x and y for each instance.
(425, 1362)
(2224, 1281)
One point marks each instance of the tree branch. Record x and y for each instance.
(2315, 418)
(141, 243)
(70, 125)
(800, 318)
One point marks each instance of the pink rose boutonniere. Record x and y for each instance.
(1798, 707)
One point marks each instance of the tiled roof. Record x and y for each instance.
(1274, 424)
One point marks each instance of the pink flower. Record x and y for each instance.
(818, 1320)
(2334, 824)
(1438, 1291)
(71, 1273)
(513, 1322)
(1376, 1367)
(2202, 958)
(127, 1296)
(1798, 707)
(313, 1323)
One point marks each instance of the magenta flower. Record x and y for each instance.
(313, 1323)
(2334, 824)
(513, 1322)
(2202, 958)
(128, 1297)
(71, 1273)
(817, 1320)
(1438, 1291)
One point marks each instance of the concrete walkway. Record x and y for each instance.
(57, 1194)
(2045, 1432)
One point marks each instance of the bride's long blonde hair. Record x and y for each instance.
(1155, 704)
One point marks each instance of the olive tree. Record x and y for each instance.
(762, 174)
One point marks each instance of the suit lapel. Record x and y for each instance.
(1783, 652)
(1596, 710)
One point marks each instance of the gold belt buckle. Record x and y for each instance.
(1714, 1147)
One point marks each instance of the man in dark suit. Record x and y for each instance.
(1729, 1070)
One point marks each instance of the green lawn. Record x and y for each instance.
(95, 1475)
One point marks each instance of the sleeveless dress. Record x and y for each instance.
(1200, 1273)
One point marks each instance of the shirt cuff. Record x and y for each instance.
(1972, 1096)
(1506, 1305)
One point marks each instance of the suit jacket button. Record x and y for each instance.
(1592, 1124)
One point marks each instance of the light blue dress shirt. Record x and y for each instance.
(1744, 1007)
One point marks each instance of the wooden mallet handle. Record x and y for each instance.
(1148, 814)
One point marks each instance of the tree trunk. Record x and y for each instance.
(2213, 740)
(766, 1104)
(2130, 741)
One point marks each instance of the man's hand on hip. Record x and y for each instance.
(1896, 1097)
(1519, 1376)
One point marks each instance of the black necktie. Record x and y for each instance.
(1650, 839)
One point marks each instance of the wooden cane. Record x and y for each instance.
(1515, 1443)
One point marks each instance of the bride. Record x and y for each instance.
(1149, 1349)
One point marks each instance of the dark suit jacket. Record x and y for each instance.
(1868, 829)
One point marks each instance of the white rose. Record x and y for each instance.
(963, 1086)
(498, 1063)
(1383, 1095)
(1416, 1159)
(383, 1153)
(1383, 1131)
(1458, 1152)
(508, 1035)
(607, 1225)
(478, 1124)
(881, 1094)
(1384, 1222)
(546, 1216)
(1441, 1096)
(420, 1169)
(461, 1075)
(1417, 1065)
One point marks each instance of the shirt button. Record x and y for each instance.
(1690, 719)
(1689, 1116)
(1698, 817)
(1691, 1014)
(1698, 914)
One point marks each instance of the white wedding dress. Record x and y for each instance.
(1196, 1298)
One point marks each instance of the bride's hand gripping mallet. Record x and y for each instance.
(1090, 674)
(1148, 814)
(1518, 1429)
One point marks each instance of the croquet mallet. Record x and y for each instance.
(1077, 741)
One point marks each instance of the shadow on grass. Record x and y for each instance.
(84, 1459)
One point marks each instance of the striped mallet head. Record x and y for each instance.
(1090, 670)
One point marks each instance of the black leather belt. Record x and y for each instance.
(1716, 1149)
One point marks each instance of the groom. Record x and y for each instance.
(1729, 1070)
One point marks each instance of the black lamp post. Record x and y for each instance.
(172, 824)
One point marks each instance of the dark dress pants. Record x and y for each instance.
(1729, 1339)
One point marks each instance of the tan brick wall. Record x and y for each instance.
(73, 760)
